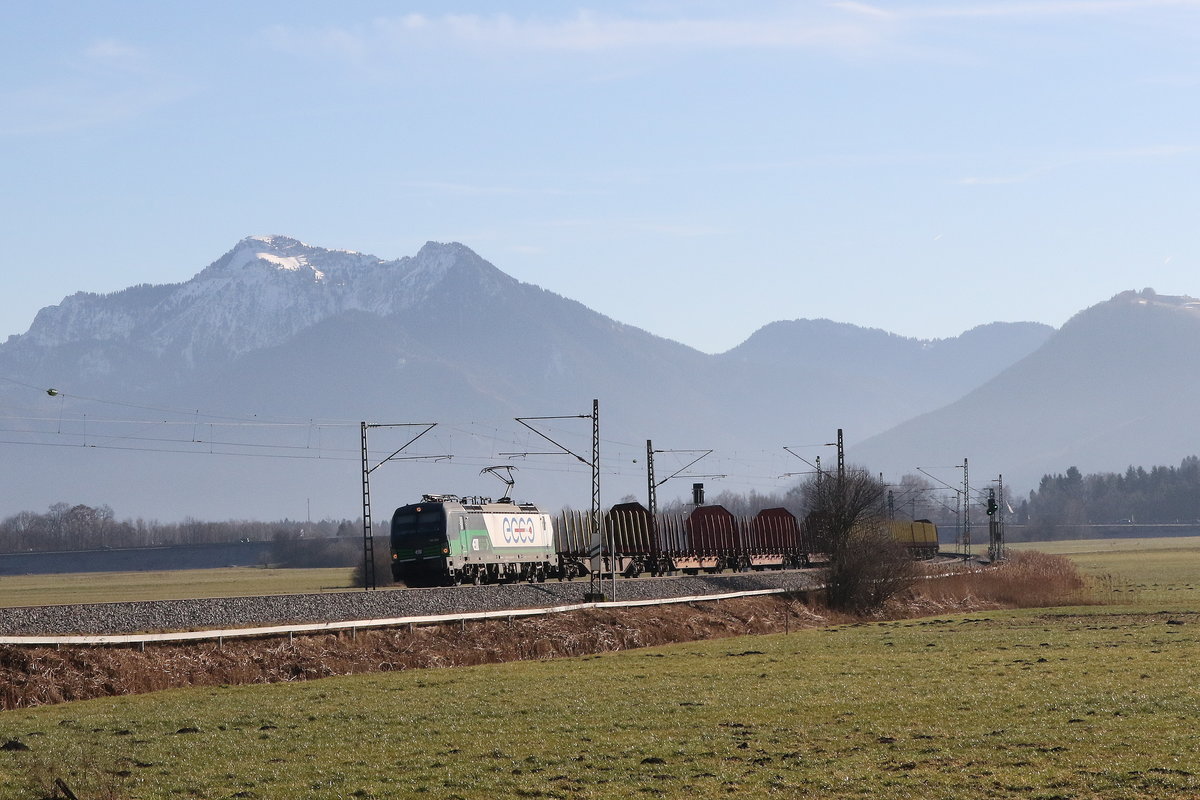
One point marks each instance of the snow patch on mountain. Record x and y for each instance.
(291, 264)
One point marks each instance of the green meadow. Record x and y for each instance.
(1094, 701)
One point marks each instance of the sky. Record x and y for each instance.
(697, 169)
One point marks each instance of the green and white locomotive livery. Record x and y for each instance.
(447, 540)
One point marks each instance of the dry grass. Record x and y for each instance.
(1028, 580)
(31, 676)
(39, 675)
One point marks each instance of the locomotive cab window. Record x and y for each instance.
(427, 523)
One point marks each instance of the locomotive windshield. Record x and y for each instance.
(419, 526)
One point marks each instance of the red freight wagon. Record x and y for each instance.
(631, 529)
(710, 541)
(775, 539)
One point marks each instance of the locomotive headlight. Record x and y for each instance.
(445, 550)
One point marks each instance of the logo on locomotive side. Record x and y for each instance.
(518, 530)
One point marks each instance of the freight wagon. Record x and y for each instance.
(920, 536)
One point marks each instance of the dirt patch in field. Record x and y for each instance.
(32, 676)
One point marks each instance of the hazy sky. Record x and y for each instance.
(697, 169)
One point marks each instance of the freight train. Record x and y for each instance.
(450, 540)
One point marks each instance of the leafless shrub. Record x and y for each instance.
(383, 565)
(867, 570)
(865, 567)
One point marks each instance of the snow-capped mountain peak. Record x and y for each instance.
(260, 293)
(279, 252)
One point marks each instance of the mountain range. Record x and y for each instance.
(240, 392)
(1113, 387)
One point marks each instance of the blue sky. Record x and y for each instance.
(697, 169)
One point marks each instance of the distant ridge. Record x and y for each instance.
(276, 329)
(1116, 386)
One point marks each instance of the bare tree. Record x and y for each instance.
(844, 514)
(917, 498)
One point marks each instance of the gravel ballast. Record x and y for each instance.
(244, 612)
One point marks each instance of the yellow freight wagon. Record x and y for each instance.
(919, 536)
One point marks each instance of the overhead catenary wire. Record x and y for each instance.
(613, 466)
(256, 436)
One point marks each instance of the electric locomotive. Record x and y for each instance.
(447, 539)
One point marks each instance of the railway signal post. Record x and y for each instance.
(995, 506)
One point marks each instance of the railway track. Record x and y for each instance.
(331, 607)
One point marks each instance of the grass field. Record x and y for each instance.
(1070, 547)
(1147, 572)
(1013, 704)
(1095, 702)
(110, 587)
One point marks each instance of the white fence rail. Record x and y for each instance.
(352, 625)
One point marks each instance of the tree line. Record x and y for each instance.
(81, 527)
(1156, 496)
